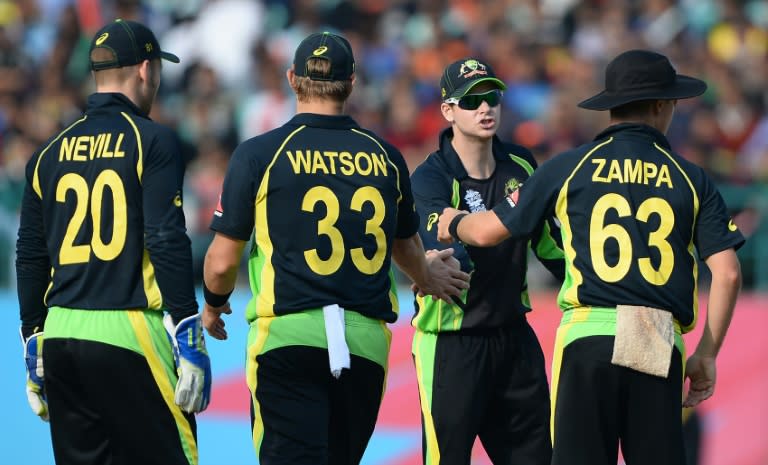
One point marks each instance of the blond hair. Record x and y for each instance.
(308, 89)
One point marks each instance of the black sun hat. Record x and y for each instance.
(642, 75)
(130, 42)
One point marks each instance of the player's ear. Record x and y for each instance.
(144, 70)
(447, 111)
(290, 74)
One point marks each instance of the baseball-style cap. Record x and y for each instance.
(642, 75)
(461, 76)
(131, 44)
(327, 46)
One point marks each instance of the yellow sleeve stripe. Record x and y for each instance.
(265, 302)
(570, 294)
(140, 161)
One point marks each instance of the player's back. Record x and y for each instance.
(628, 210)
(326, 215)
(89, 181)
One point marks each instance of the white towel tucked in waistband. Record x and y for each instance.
(338, 352)
(644, 341)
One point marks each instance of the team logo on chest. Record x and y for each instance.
(474, 201)
(511, 188)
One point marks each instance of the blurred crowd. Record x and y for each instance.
(231, 82)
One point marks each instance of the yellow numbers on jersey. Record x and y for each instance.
(326, 226)
(600, 232)
(70, 253)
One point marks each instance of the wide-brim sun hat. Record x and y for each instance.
(642, 75)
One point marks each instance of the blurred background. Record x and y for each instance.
(231, 86)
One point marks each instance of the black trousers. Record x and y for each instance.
(308, 416)
(599, 405)
(491, 385)
(106, 407)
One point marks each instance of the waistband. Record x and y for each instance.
(350, 317)
(598, 315)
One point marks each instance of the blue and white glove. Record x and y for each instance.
(193, 389)
(33, 356)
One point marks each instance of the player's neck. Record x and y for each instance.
(129, 91)
(476, 155)
(321, 107)
(648, 120)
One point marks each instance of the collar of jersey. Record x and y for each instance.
(643, 130)
(112, 102)
(324, 121)
(452, 159)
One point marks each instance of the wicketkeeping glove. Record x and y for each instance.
(193, 389)
(33, 356)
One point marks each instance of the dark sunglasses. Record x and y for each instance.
(473, 101)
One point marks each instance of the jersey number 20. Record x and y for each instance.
(71, 253)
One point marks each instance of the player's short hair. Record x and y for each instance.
(109, 74)
(309, 89)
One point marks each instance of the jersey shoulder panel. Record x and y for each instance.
(431, 176)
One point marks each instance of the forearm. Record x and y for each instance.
(33, 265)
(221, 264)
(408, 254)
(724, 289)
(32, 282)
(481, 229)
(220, 280)
(171, 256)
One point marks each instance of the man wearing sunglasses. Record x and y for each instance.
(484, 335)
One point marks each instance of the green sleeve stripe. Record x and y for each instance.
(455, 197)
(522, 162)
(547, 247)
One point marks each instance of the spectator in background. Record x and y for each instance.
(205, 176)
(268, 106)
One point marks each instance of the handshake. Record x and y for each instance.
(193, 388)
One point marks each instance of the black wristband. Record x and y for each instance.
(454, 226)
(213, 299)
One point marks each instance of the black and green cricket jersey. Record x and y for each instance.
(323, 200)
(633, 215)
(102, 225)
(498, 291)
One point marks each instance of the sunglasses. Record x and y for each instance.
(473, 101)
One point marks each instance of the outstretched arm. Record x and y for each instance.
(481, 229)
